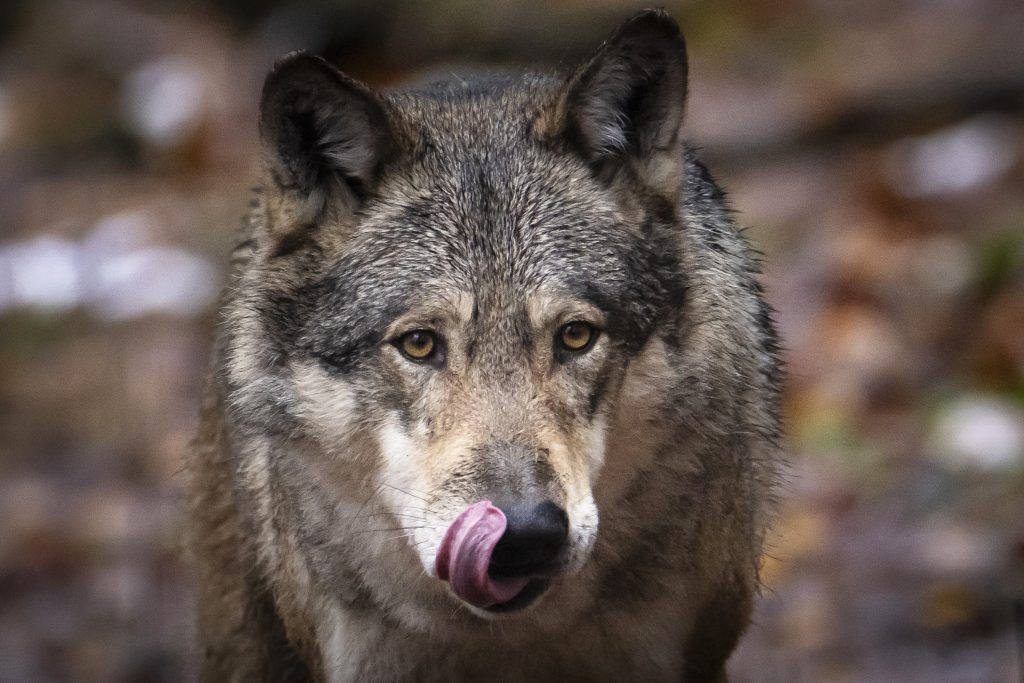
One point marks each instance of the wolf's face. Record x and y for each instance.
(452, 289)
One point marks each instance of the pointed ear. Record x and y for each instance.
(325, 137)
(624, 108)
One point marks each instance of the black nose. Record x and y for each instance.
(533, 541)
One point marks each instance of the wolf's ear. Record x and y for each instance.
(624, 108)
(324, 135)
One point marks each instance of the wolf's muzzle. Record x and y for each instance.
(501, 561)
(533, 543)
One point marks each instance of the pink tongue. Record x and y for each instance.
(465, 554)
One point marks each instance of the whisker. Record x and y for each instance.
(408, 493)
(397, 528)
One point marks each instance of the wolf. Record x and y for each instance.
(495, 393)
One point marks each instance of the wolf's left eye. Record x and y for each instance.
(576, 336)
(418, 345)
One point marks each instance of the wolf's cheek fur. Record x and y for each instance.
(406, 481)
(326, 405)
(581, 505)
(637, 426)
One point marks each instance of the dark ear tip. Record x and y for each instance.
(290, 58)
(293, 74)
(299, 59)
(658, 15)
(650, 23)
(296, 64)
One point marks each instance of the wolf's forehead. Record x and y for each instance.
(508, 210)
(484, 207)
(478, 220)
(484, 105)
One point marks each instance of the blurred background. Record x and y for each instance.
(874, 147)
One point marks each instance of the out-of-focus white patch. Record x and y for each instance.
(114, 270)
(980, 432)
(41, 273)
(154, 280)
(117, 234)
(163, 100)
(955, 159)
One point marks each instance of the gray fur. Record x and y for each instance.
(490, 211)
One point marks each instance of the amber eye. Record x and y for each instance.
(577, 335)
(418, 344)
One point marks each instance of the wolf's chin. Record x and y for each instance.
(529, 594)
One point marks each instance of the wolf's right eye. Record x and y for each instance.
(576, 336)
(418, 345)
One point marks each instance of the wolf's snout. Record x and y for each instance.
(533, 543)
(498, 560)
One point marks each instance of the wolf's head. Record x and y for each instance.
(446, 293)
